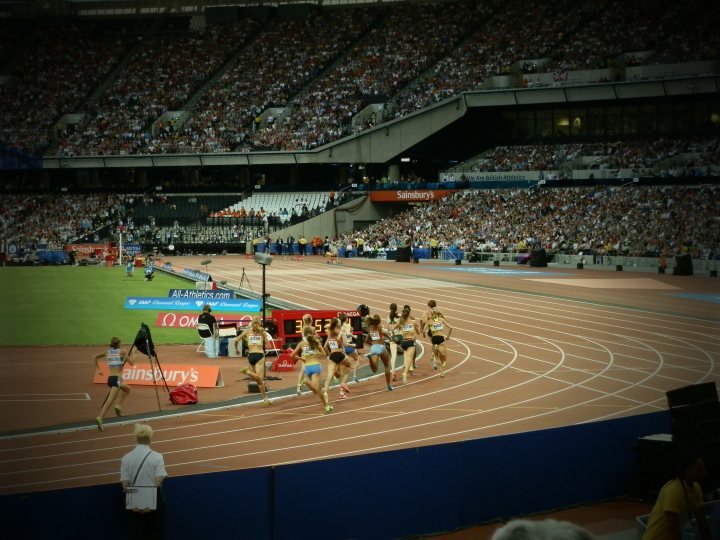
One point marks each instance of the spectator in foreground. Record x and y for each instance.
(549, 529)
(144, 467)
(678, 501)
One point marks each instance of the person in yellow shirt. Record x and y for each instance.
(434, 248)
(677, 501)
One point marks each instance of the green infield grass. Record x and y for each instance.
(81, 305)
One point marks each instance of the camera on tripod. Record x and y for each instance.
(144, 343)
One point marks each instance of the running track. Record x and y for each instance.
(524, 355)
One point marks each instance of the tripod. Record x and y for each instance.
(143, 342)
(244, 278)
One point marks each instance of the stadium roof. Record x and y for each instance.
(40, 8)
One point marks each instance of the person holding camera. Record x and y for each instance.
(149, 269)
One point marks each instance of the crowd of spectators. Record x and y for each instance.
(660, 157)
(163, 71)
(58, 70)
(52, 220)
(518, 31)
(280, 61)
(404, 42)
(633, 220)
(13, 33)
(321, 70)
(673, 32)
(576, 36)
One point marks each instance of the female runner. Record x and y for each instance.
(440, 331)
(425, 328)
(410, 328)
(310, 351)
(337, 360)
(349, 343)
(116, 358)
(376, 340)
(256, 339)
(307, 322)
(395, 337)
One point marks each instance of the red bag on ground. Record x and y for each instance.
(185, 394)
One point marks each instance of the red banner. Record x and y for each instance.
(172, 319)
(410, 195)
(84, 250)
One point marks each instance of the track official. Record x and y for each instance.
(211, 345)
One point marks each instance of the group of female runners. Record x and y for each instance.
(338, 352)
(404, 329)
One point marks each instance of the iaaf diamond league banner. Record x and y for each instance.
(189, 304)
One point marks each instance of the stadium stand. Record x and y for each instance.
(633, 220)
(161, 85)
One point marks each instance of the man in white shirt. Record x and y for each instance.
(144, 467)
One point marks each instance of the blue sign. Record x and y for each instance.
(159, 303)
(703, 297)
(52, 256)
(193, 293)
(499, 271)
(132, 249)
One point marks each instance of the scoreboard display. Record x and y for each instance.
(290, 323)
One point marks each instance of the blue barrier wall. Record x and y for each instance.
(232, 504)
(53, 257)
(369, 497)
(419, 253)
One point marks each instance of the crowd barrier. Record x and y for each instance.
(52, 257)
(614, 262)
(399, 493)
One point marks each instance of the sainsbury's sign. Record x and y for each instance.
(410, 195)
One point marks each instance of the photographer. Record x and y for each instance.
(149, 269)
